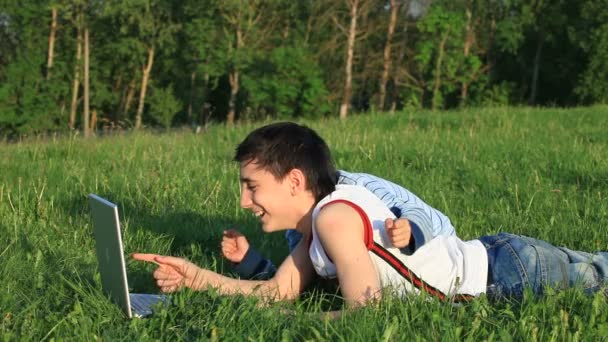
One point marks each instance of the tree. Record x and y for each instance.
(354, 7)
(547, 15)
(86, 127)
(149, 25)
(246, 25)
(77, 66)
(52, 33)
(394, 9)
(285, 84)
(28, 101)
(163, 105)
(439, 52)
(592, 37)
(202, 57)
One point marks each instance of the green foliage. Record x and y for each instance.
(202, 39)
(592, 86)
(287, 84)
(27, 102)
(163, 105)
(496, 95)
(593, 40)
(441, 58)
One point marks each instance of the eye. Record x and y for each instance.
(251, 187)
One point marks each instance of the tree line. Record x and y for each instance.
(114, 64)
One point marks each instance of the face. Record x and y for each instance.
(272, 201)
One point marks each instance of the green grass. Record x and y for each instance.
(542, 173)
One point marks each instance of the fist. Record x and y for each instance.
(234, 245)
(399, 232)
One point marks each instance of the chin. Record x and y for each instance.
(269, 228)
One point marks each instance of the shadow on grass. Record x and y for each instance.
(183, 227)
(590, 180)
(190, 233)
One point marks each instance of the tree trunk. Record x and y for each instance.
(233, 77)
(93, 120)
(387, 54)
(537, 58)
(190, 104)
(234, 89)
(400, 59)
(204, 113)
(350, 48)
(49, 62)
(144, 85)
(438, 63)
(130, 96)
(468, 41)
(85, 116)
(464, 93)
(76, 82)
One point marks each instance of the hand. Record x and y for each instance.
(399, 232)
(173, 273)
(234, 245)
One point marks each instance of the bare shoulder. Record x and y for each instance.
(340, 230)
(336, 217)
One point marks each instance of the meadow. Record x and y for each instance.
(537, 172)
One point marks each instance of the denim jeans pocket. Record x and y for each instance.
(519, 262)
(509, 276)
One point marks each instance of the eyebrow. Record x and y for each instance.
(246, 180)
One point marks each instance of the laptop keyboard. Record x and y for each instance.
(142, 303)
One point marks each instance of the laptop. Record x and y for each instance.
(110, 256)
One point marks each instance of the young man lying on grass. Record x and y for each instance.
(288, 180)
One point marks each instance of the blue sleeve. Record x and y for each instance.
(420, 222)
(426, 222)
(255, 266)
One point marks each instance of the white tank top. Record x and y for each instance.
(445, 267)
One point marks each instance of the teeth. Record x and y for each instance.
(259, 213)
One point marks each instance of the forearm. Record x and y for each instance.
(289, 281)
(263, 289)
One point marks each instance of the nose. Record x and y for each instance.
(245, 197)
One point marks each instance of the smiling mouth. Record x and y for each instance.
(259, 214)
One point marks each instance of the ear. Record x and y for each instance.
(297, 181)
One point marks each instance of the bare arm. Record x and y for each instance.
(291, 278)
(340, 231)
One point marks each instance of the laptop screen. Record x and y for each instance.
(110, 254)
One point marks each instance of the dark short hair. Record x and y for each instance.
(281, 147)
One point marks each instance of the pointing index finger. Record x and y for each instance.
(145, 257)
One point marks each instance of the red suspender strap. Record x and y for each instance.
(368, 234)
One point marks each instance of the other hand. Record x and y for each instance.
(234, 245)
(399, 232)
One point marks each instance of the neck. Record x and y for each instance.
(304, 225)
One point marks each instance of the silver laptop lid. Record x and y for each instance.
(110, 254)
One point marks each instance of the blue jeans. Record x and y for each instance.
(518, 262)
